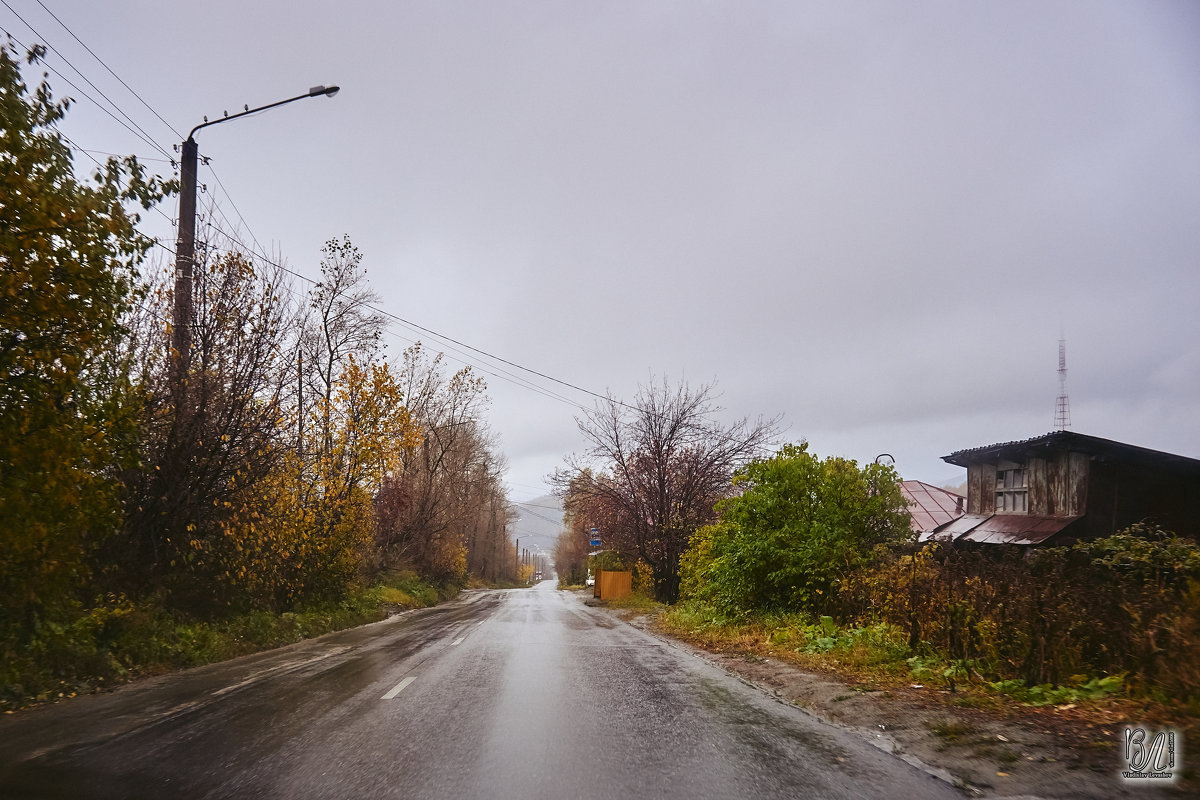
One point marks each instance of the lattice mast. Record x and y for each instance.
(1062, 409)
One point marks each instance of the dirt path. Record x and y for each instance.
(1022, 752)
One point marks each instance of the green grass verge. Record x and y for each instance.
(635, 602)
(121, 641)
(878, 653)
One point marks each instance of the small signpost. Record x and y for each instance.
(594, 537)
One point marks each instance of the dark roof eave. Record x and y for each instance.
(1078, 442)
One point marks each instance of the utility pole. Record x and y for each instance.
(185, 261)
(185, 245)
(492, 539)
(300, 405)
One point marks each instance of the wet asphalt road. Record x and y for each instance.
(502, 694)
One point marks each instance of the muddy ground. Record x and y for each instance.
(1058, 752)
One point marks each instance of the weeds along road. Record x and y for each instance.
(501, 694)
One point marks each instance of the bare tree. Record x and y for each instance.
(656, 468)
(341, 325)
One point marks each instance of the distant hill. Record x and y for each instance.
(539, 525)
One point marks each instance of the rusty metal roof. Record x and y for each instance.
(1025, 529)
(930, 507)
(1106, 449)
(964, 524)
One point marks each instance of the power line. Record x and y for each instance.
(258, 252)
(89, 153)
(178, 135)
(540, 516)
(170, 161)
(140, 133)
(414, 326)
(535, 505)
(487, 369)
(76, 148)
(542, 488)
(527, 532)
(236, 210)
(506, 361)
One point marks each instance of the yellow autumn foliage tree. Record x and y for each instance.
(312, 535)
(69, 251)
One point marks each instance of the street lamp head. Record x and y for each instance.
(328, 91)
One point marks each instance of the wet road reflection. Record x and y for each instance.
(521, 694)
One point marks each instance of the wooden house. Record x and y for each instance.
(1067, 486)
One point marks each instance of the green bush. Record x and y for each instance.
(800, 526)
(1045, 694)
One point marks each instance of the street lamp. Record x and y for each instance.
(185, 247)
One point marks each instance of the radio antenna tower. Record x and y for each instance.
(1062, 410)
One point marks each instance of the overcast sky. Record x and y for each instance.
(875, 218)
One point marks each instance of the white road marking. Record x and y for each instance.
(459, 640)
(399, 687)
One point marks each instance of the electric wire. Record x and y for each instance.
(145, 135)
(170, 161)
(447, 339)
(539, 516)
(535, 505)
(236, 210)
(488, 369)
(75, 146)
(178, 135)
(410, 325)
(89, 153)
(129, 126)
(527, 532)
(462, 358)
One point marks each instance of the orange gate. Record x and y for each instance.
(613, 585)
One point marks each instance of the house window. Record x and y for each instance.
(1012, 491)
